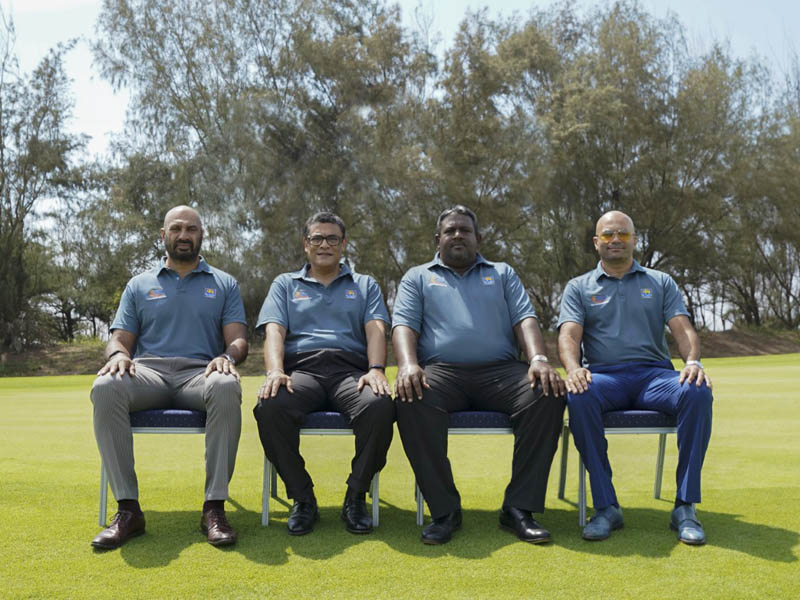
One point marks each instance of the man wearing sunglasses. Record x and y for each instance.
(459, 324)
(612, 344)
(325, 348)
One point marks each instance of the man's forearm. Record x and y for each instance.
(569, 351)
(404, 341)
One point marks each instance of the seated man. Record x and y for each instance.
(325, 349)
(183, 321)
(459, 322)
(616, 314)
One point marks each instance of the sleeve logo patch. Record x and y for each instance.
(350, 294)
(647, 293)
(487, 280)
(210, 293)
(435, 280)
(156, 294)
(300, 294)
(599, 299)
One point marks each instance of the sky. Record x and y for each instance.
(769, 28)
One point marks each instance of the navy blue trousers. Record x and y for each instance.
(641, 386)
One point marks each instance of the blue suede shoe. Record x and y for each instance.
(684, 521)
(603, 523)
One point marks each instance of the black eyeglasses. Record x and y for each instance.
(316, 240)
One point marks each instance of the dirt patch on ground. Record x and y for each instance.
(86, 358)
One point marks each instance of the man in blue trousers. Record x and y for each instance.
(614, 316)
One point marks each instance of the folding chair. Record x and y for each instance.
(155, 421)
(616, 422)
(316, 423)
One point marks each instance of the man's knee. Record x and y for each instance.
(224, 389)
(697, 398)
(272, 409)
(379, 409)
(581, 403)
(108, 389)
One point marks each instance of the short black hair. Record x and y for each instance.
(323, 216)
(458, 209)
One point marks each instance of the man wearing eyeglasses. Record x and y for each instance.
(325, 349)
(614, 316)
(459, 323)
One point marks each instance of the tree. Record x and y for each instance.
(36, 154)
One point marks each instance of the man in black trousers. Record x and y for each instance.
(458, 324)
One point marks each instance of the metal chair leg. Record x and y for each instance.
(662, 446)
(562, 481)
(375, 494)
(420, 500)
(265, 491)
(103, 496)
(581, 493)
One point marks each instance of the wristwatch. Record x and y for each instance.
(539, 358)
(229, 358)
(696, 363)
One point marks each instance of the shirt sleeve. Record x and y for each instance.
(408, 303)
(274, 309)
(673, 300)
(233, 311)
(571, 305)
(126, 317)
(376, 307)
(519, 304)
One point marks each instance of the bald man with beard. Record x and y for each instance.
(177, 337)
(612, 344)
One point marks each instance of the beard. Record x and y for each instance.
(187, 255)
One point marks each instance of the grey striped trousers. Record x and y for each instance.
(167, 383)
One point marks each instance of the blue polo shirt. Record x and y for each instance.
(465, 318)
(623, 319)
(318, 317)
(174, 317)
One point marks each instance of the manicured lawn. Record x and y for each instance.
(49, 475)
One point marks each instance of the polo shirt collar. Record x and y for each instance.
(344, 271)
(599, 271)
(202, 266)
(437, 262)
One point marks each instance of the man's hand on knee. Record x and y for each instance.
(222, 365)
(578, 380)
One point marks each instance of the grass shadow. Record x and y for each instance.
(646, 533)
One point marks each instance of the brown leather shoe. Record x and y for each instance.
(124, 525)
(216, 526)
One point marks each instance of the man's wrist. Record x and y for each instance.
(539, 358)
(378, 367)
(276, 370)
(229, 358)
(695, 363)
(115, 352)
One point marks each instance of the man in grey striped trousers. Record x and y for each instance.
(178, 333)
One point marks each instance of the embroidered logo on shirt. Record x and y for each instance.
(210, 293)
(647, 293)
(350, 294)
(436, 280)
(488, 280)
(156, 294)
(300, 294)
(599, 299)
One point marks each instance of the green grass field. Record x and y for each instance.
(49, 477)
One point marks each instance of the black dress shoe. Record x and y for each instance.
(124, 525)
(214, 524)
(440, 530)
(354, 513)
(522, 523)
(302, 518)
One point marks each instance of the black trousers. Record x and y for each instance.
(536, 421)
(325, 380)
